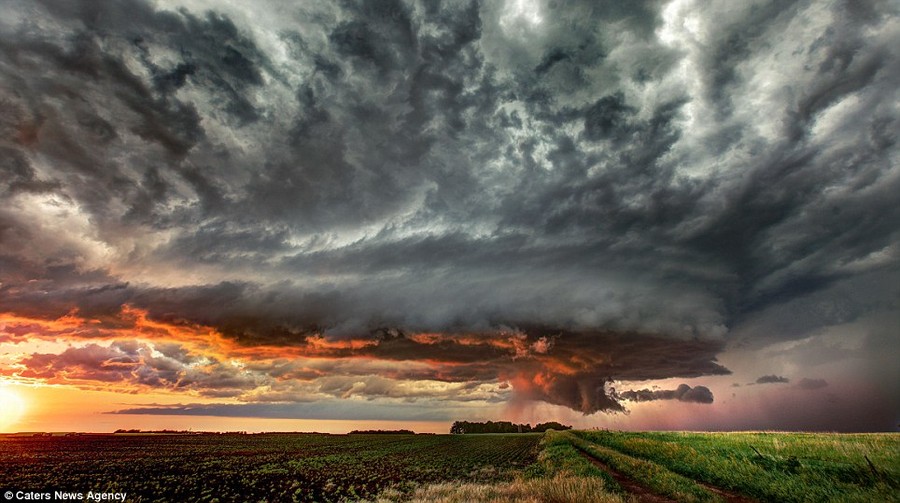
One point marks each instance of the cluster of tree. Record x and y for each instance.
(460, 427)
(169, 432)
(382, 432)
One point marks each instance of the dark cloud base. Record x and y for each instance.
(772, 378)
(573, 369)
(684, 393)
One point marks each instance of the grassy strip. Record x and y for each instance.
(783, 467)
(558, 455)
(558, 489)
(652, 475)
(561, 475)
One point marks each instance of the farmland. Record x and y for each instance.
(614, 467)
(269, 467)
(600, 466)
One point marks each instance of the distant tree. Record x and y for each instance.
(382, 432)
(552, 425)
(463, 427)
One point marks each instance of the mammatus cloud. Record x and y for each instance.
(683, 393)
(623, 190)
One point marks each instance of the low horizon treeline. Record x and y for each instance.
(382, 432)
(179, 432)
(135, 430)
(462, 427)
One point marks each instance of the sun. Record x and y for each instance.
(11, 408)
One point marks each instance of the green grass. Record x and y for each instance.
(656, 477)
(559, 455)
(784, 467)
(561, 475)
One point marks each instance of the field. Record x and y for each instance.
(270, 467)
(600, 466)
(783, 467)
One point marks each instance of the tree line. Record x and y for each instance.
(382, 432)
(461, 427)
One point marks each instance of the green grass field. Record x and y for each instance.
(782, 467)
(580, 466)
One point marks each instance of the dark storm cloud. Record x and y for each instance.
(772, 378)
(684, 393)
(573, 369)
(781, 200)
(633, 168)
(212, 51)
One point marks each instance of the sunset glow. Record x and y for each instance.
(12, 407)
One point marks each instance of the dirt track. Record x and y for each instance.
(645, 495)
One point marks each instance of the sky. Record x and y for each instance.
(324, 215)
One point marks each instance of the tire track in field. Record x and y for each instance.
(728, 496)
(645, 495)
(633, 487)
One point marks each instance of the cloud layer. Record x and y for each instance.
(624, 188)
(683, 393)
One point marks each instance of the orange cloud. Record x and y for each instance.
(132, 350)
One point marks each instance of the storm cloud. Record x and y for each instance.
(639, 186)
(772, 378)
(683, 393)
